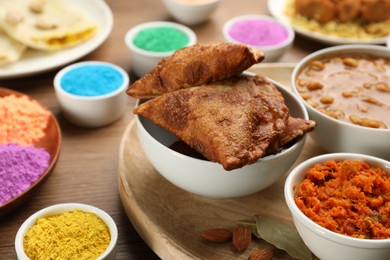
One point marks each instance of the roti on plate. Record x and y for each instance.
(45, 24)
(10, 50)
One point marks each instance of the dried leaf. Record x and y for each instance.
(279, 234)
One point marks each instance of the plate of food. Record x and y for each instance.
(30, 143)
(160, 210)
(37, 36)
(335, 23)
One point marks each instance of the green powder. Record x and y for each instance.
(161, 39)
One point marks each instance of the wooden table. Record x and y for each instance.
(87, 168)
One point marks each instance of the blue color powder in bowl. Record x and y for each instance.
(92, 80)
(92, 93)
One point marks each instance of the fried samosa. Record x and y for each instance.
(232, 122)
(195, 65)
(296, 128)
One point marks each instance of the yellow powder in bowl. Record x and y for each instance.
(71, 235)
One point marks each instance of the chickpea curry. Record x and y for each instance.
(348, 197)
(354, 89)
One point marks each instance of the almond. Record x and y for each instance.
(241, 238)
(261, 254)
(216, 235)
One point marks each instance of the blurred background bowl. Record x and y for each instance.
(109, 253)
(272, 36)
(97, 110)
(191, 12)
(326, 244)
(143, 60)
(335, 135)
(209, 179)
(388, 42)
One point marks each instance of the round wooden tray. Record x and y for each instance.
(170, 219)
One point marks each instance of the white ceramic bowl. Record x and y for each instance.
(209, 179)
(191, 13)
(338, 136)
(109, 253)
(324, 243)
(143, 61)
(92, 111)
(272, 51)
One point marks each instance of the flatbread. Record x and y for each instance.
(196, 65)
(232, 122)
(10, 50)
(57, 26)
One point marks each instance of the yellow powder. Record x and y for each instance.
(72, 235)
(356, 29)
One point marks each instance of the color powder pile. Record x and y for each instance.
(161, 39)
(22, 120)
(257, 32)
(20, 167)
(71, 235)
(92, 80)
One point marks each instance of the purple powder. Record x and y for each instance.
(20, 167)
(257, 32)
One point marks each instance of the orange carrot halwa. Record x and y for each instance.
(347, 197)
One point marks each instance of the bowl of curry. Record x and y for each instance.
(340, 205)
(346, 90)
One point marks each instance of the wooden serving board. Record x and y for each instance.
(170, 219)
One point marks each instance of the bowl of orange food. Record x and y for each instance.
(340, 205)
(346, 90)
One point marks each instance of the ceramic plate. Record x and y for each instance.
(51, 143)
(34, 61)
(276, 8)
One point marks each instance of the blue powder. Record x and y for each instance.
(92, 80)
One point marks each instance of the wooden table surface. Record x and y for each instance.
(86, 171)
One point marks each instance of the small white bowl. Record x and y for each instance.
(92, 111)
(143, 61)
(334, 135)
(109, 253)
(324, 243)
(191, 12)
(209, 179)
(274, 50)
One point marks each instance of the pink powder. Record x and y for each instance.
(20, 167)
(257, 32)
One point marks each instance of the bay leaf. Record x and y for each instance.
(279, 234)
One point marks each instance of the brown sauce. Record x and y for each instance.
(354, 89)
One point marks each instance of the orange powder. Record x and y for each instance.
(22, 120)
(347, 197)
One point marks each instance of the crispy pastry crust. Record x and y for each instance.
(232, 122)
(296, 128)
(195, 65)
